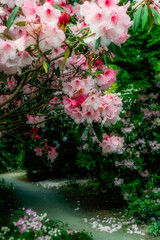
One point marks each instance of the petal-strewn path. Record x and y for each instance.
(54, 204)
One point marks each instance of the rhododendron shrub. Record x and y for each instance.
(48, 65)
(132, 169)
(51, 63)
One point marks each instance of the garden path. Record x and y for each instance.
(55, 205)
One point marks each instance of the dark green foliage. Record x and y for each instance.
(154, 229)
(8, 202)
(61, 132)
(80, 236)
(11, 154)
(138, 68)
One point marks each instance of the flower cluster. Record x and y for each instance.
(50, 151)
(112, 144)
(149, 114)
(31, 225)
(37, 121)
(46, 68)
(40, 27)
(107, 21)
(86, 104)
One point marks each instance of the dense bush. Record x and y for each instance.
(154, 229)
(27, 225)
(8, 202)
(136, 171)
(65, 139)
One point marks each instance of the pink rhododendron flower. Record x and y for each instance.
(52, 154)
(29, 9)
(63, 20)
(12, 83)
(84, 105)
(48, 13)
(107, 79)
(144, 174)
(36, 120)
(50, 37)
(113, 144)
(10, 3)
(38, 151)
(3, 98)
(50, 1)
(107, 20)
(118, 181)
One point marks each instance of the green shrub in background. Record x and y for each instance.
(154, 229)
(8, 202)
(65, 139)
(11, 154)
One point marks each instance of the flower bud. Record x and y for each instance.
(63, 21)
(50, 1)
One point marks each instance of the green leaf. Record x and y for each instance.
(120, 52)
(137, 19)
(81, 30)
(117, 50)
(97, 42)
(73, 20)
(144, 17)
(150, 19)
(156, 15)
(21, 24)
(58, 7)
(12, 16)
(57, 72)
(66, 55)
(80, 131)
(111, 47)
(45, 66)
(82, 41)
(97, 130)
(7, 36)
(155, 134)
(105, 58)
(71, 39)
(2, 146)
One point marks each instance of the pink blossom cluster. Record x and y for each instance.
(156, 121)
(41, 27)
(54, 101)
(30, 221)
(153, 95)
(12, 83)
(126, 163)
(86, 104)
(144, 174)
(112, 144)
(37, 121)
(29, 91)
(47, 150)
(154, 145)
(118, 181)
(107, 21)
(128, 129)
(149, 114)
(4, 98)
(139, 143)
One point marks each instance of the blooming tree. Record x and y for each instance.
(53, 59)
